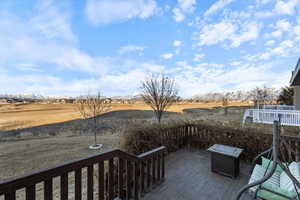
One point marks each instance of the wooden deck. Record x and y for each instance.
(188, 177)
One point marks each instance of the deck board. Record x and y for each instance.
(188, 177)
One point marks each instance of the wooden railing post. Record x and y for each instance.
(297, 151)
(148, 174)
(136, 180)
(64, 186)
(163, 166)
(128, 179)
(90, 182)
(11, 195)
(142, 177)
(111, 179)
(158, 167)
(120, 175)
(153, 170)
(30, 192)
(289, 152)
(101, 180)
(48, 189)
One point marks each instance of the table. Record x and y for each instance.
(225, 160)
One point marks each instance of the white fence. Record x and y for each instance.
(267, 116)
(278, 107)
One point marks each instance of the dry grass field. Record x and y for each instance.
(17, 116)
(35, 148)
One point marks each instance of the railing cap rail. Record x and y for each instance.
(277, 111)
(45, 174)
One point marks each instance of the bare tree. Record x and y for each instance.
(263, 95)
(90, 107)
(225, 102)
(159, 92)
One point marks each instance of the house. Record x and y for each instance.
(3, 101)
(295, 82)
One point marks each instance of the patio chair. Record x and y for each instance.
(274, 179)
(279, 186)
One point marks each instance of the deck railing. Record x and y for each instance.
(203, 136)
(267, 116)
(119, 174)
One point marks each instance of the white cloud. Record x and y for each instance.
(108, 11)
(217, 6)
(49, 41)
(262, 2)
(183, 7)
(215, 33)
(284, 49)
(280, 27)
(286, 7)
(235, 63)
(177, 43)
(152, 67)
(53, 21)
(187, 6)
(235, 33)
(296, 31)
(182, 63)
(178, 15)
(28, 67)
(276, 34)
(166, 56)
(131, 48)
(283, 25)
(250, 31)
(210, 77)
(130, 82)
(192, 80)
(264, 14)
(270, 43)
(198, 57)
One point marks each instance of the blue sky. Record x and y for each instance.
(67, 47)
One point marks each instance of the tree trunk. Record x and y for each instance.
(225, 110)
(159, 116)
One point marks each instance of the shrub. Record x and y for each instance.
(139, 139)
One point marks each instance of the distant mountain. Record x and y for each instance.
(32, 96)
(126, 97)
(41, 97)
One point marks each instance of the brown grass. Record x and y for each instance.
(23, 156)
(14, 116)
(36, 148)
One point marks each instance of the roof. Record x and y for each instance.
(295, 80)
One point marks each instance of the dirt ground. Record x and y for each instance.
(16, 116)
